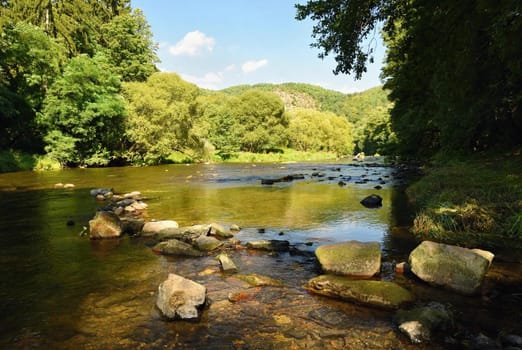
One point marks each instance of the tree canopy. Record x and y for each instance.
(454, 75)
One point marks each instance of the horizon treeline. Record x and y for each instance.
(79, 86)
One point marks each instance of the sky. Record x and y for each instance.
(216, 44)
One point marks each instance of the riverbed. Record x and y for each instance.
(61, 290)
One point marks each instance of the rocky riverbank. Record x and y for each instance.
(353, 273)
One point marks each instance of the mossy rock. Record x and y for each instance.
(353, 258)
(105, 225)
(256, 280)
(387, 295)
(207, 244)
(456, 268)
(175, 247)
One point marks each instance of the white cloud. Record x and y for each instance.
(207, 81)
(192, 44)
(230, 67)
(252, 66)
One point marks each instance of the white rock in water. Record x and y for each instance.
(179, 297)
(157, 226)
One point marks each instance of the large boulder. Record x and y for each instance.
(154, 227)
(175, 247)
(179, 297)
(105, 225)
(353, 258)
(456, 268)
(388, 295)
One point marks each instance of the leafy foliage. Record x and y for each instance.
(29, 63)
(128, 44)
(453, 74)
(312, 130)
(368, 111)
(159, 118)
(48, 53)
(343, 26)
(74, 23)
(84, 113)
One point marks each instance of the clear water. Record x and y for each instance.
(61, 290)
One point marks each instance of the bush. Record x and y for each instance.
(15, 161)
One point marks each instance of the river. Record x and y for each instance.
(62, 291)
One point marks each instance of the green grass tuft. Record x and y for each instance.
(478, 198)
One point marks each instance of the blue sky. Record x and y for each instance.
(220, 43)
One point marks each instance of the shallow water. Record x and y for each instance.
(60, 290)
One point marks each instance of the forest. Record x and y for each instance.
(79, 87)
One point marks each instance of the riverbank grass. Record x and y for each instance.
(474, 201)
(11, 161)
(285, 155)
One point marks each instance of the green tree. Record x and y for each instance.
(127, 42)
(453, 73)
(262, 121)
(29, 63)
(312, 130)
(160, 118)
(217, 111)
(84, 113)
(75, 23)
(342, 28)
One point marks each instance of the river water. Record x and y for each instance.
(60, 290)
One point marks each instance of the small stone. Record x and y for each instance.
(218, 230)
(157, 226)
(270, 245)
(175, 247)
(58, 185)
(235, 228)
(227, 265)
(207, 244)
(400, 267)
(132, 195)
(243, 295)
(420, 323)
(372, 201)
(256, 280)
(68, 186)
(139, 205)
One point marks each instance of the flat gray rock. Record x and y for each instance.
(354, 258)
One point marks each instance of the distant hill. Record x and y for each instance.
(368, 110)
(353, 106)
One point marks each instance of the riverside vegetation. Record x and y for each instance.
(72, 94)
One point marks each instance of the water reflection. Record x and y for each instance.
(60, 290)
